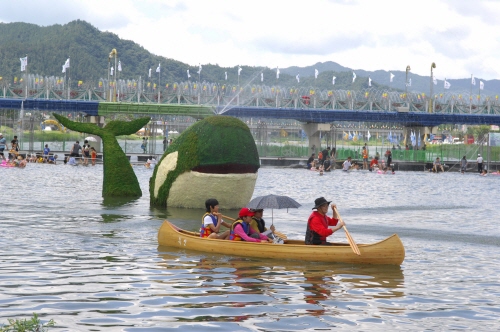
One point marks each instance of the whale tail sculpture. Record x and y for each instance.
(119, 179)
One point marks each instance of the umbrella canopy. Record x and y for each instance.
(91, 139)
(272, 202)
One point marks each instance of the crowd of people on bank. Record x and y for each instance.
(14, 159)
(88, 153)
(326, 162)
(251, 227)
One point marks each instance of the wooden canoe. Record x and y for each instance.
(389, 251)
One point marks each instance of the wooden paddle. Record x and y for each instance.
(353, 244)
(281, 235)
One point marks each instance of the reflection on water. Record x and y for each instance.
(94, 264)
(110, 202)
(251, 289)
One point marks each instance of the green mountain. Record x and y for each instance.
(49, 47)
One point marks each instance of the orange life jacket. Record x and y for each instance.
(365, 154)
(205, 231)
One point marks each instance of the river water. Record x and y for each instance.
(94, 265)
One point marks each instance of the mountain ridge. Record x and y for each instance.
(48, 47)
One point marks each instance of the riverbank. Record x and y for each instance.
(413, 166)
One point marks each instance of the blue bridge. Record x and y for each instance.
(306, 115)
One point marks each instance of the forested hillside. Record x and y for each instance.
(49, 47)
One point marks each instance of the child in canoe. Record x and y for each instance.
(211, 221)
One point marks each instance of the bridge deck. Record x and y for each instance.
(201, 111)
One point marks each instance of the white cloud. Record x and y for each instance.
(459, 35)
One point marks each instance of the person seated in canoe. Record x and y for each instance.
(259, 224)
(318, 222)
(242, 231)
(211, 221)
(437, 165)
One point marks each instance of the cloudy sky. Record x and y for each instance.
(461, 36)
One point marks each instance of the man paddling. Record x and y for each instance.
(318, 222)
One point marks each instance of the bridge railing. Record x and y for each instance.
(260, 95)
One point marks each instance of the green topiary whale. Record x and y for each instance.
(214, 158)
(119, 179)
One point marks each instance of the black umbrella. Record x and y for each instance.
(273, 202)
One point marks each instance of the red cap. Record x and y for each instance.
(245, 212)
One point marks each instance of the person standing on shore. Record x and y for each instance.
(364, 153)
(46, 152)
(3, 144)
(75, 150)
(463, 164)
(164, 143)
(14, 148)
(479, 163)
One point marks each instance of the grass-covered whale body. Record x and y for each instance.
(214, 158)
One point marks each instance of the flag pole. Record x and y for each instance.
(159, 86)
(69, 77)
(27, 78)
(115, 74)
(470, 98)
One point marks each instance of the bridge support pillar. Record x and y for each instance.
(313, 131)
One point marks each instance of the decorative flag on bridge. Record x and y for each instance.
(158, 68)
(368, 135)
(333, 80)
(473, 81)
(446, 84)
(24, 63)
(199, 69)
(481, 85)
(65, 66)
(316, 72)
(298, 78)
(190, 75)
(369, 81)
(119, 66)
(391, 77)
(112, 69)
(149, 73)
(239, 70)
(353, 77)
(225, 74)
(409, 82)
(277, 73)
(434, 80)
(262, 77)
